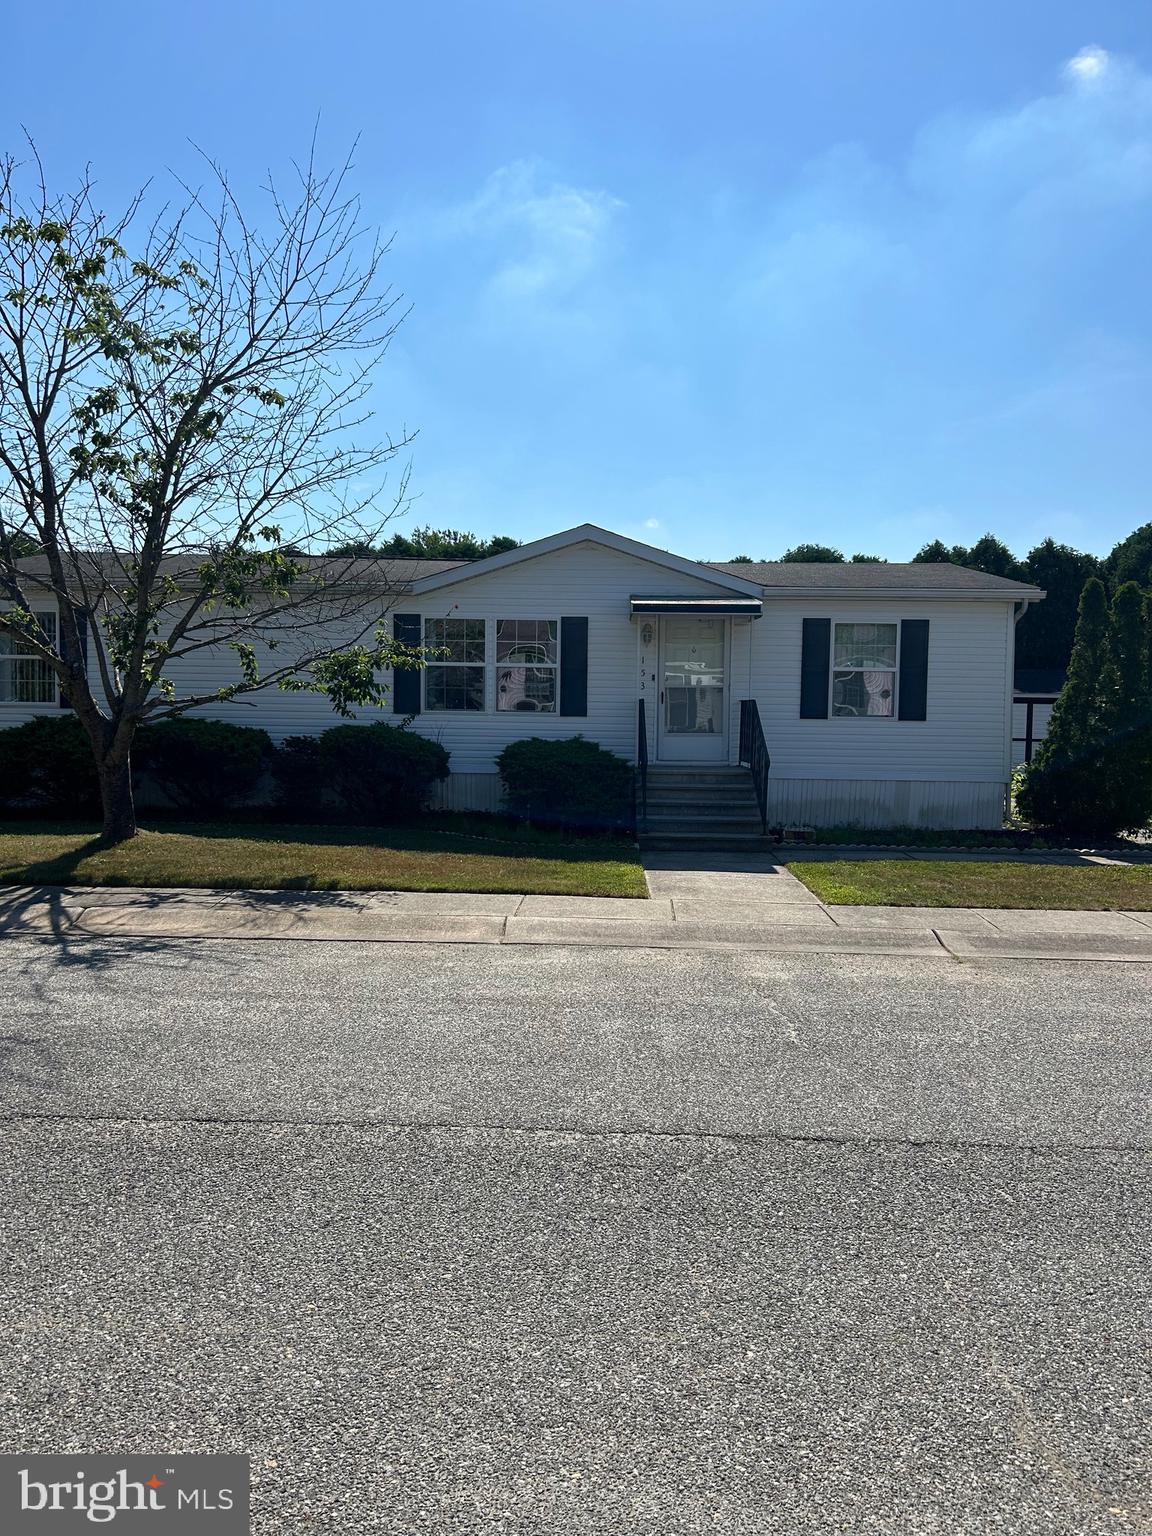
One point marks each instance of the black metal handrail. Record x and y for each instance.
(642, 759)
(754, 754)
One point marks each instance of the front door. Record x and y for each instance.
(693, 717)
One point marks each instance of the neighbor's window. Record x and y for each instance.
(864, 669)
(26, 678)
(454, 677)
(526, 665)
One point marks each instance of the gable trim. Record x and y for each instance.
(587, 533)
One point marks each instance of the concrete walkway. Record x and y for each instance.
(697, 903)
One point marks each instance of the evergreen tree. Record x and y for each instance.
(1127, 713)
(1044, 634)
(1066, 786)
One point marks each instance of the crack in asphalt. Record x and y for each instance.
(754, 1138)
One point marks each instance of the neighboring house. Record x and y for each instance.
(1036, 690)
(884, 691)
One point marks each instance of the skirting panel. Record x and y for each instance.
(468, 792)
(874, 803)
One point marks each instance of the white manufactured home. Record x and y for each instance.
(883, 692)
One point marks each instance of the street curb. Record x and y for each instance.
(168, 916)
(124, 923)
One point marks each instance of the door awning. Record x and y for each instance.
(750, 607)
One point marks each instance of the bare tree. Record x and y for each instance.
(181, 413)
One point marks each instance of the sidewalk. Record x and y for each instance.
(745, 905)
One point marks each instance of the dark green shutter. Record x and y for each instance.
(406, 680)
(814, 657)
(912, 694)
(82, 630)
(573, 666)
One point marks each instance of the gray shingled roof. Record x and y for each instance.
(389, 573)
(819, 576)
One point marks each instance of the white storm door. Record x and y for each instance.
(693, 712)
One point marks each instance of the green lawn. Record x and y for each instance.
(963, 883)
(255, 857)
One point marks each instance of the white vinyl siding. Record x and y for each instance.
(965, 737)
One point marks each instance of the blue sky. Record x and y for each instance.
(722, 276)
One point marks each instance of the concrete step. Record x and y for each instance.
(661, 821)
(706, 842)
(721, 775)
(669, 801)
(702, 807)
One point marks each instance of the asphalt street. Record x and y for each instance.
(548, 1240)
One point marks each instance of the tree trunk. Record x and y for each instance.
(116, 799)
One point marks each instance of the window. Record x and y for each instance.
(864, 669)
(26, 678)
(525, 659)
(454, 677)
(526, 665)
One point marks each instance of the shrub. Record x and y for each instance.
(1015, 790)
(203, 765)
(571, 782)
(298, 774)
(380, 771)
(47, 763)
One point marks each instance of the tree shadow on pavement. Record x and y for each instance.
(51, 918)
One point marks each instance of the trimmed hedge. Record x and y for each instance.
(203, 765)
(570, 782)
(380, 772)
(298, 775)
(47, 764)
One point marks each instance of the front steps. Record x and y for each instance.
(700, 808)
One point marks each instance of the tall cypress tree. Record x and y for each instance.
(1066, 787)
(1127, 710)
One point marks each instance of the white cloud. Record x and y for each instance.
(1089, 65)
(553, 233)
(1006, 193)
(881, 332)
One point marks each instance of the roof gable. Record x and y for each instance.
(588, 533)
